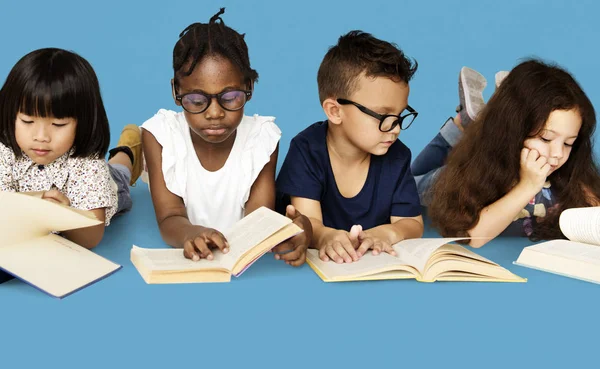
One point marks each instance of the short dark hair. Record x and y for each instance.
(58, 83)
(199, 40)
(357, 52)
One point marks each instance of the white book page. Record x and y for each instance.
(569, 250)
(368, 264)
(24, 217)
(417, 251)
(581, 224)
(54, 264)
(250, 231)
(166, 260)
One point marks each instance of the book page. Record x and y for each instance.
(250, 231)
(563, 257)
(24, 217)
(581, 224)
(569, 250)
(417, 251)
(243, 236)
(367, 265)
(172, 260)
(54, 264)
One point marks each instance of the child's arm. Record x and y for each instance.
(495, 218)
(171, 215)
(332, 243)
(88, 237)
(382, 237)
(262, 192)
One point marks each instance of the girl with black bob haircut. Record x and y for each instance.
(54, 135)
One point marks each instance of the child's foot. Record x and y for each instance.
(500, 77)
(470, 87)
(130, 142)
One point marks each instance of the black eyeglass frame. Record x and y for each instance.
(210, 98)
(382, 118)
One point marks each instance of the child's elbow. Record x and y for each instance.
(92, 242)
(477, 243)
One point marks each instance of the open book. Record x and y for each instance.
(249, 239)
(578, 258)
(424, 259)
(31, 252)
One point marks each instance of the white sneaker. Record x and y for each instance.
(500, 77)
(470, 93)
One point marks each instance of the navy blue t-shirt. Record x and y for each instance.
(389, 190)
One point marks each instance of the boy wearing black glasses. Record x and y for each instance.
(350, 174)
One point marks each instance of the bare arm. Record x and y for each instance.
(88, 237)
(312, 209)
(263, 188)
(494, 218)
(171, 214)
(400, 228)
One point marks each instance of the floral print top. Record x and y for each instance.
(537, 207)
(86, 182)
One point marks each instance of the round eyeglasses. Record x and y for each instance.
(387, 122)
(198, 102)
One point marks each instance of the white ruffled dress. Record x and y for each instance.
(213, 199)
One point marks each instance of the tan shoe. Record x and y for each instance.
(131, 136)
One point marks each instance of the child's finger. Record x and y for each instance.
(333, 255)
(355, 232)
(524, 154)
(546, 168)
(299, 261)
(541, 160)
(52, 199)
(283, 248)
(351, 248)
(217, 239)
(388, 249)
(189, 251)
(364, 246)
(533, 155)
(341, 251)
(323, 254)
(203, 248)
(377, 247)
(292, 255)
(291, 212)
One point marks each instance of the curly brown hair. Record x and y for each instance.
(485, 164)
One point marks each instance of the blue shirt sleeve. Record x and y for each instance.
(301, 175)
(405, 201)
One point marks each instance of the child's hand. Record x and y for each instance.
(201, 240)
(56, 196)
(293, 251)
(339, 246)
(534, 169)
(368, 241)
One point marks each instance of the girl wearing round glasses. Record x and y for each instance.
(211, 165)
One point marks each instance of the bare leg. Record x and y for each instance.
(123, 159)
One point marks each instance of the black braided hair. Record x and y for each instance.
(199, 40)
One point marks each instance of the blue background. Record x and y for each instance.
(274, 315)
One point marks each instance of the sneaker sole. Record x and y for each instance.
(470, 87)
